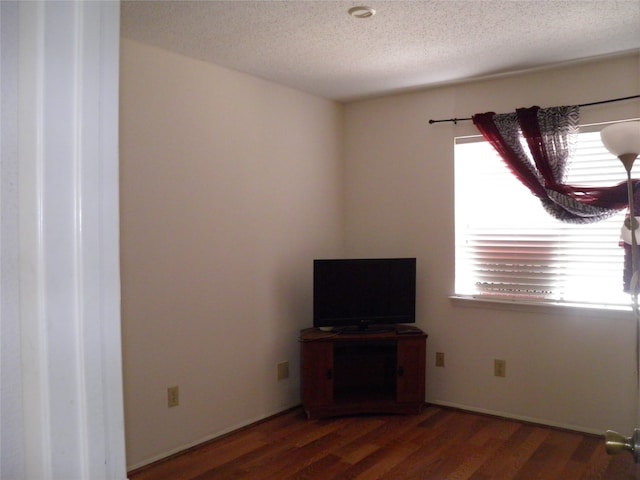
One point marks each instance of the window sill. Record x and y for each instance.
(469, 301)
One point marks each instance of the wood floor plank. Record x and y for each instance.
(438, 444)
(513, 453)
(454, 447)
(328, 466)
(381, 461)
(550, 457)
(198, 461)
(575, 468)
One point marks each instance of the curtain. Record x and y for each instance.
(540, 164)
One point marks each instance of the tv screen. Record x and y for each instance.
(363, 292)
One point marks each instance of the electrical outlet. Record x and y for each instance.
(439, 359)
(500, 368)
(173, 396)
(283, 370)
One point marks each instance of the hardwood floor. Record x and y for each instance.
(439, 444)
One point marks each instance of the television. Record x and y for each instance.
(363, 292)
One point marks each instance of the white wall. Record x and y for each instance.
(569, 369)
(230, 186)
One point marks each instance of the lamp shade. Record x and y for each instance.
(622, 138)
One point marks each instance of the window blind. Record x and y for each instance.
(508, 247)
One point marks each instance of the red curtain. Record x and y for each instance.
(549, 137)
(548, 134)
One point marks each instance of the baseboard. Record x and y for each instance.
(208, 438)
(521, 418)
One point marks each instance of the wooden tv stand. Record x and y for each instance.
(354, 373)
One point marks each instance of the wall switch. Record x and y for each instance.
(439, 359)
(283, 370)
(173, 396)
(500, 368)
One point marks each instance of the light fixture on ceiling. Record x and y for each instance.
(362, 12)
(623, 141)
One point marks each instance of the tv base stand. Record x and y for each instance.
(353, 373)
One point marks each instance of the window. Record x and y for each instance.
(508, 247)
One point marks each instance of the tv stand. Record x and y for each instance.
(353, 372)
(364, 331)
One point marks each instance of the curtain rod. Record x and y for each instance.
(456, 120)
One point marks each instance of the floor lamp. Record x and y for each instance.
(623, 141)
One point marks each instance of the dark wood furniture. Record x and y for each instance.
(353, 373)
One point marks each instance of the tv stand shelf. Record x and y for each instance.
(353, 373)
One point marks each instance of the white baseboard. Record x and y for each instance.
(523, 418)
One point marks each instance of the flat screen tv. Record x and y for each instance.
(363, 292)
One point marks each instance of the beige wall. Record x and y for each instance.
(230, 186)
(570, 369)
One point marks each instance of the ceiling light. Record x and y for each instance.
(362, 12)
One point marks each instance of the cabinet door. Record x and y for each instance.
(317, 373)
(411, 369)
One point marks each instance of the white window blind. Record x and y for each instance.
(509, 247)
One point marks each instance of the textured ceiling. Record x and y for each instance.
(316, 47)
